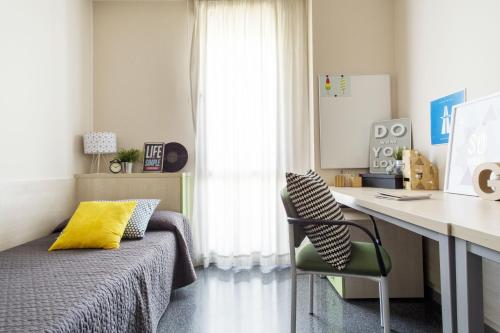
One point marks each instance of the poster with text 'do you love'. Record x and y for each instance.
(386, 137)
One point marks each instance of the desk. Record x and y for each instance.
(477, 236)
(430, 218)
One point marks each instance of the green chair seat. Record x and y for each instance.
(363, 260)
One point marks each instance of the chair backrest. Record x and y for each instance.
(298, 231)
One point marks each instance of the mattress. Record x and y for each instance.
(124, 290)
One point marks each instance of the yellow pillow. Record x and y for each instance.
(95, 225)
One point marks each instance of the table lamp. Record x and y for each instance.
(97, 143)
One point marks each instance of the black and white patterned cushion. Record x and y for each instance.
(136, 227)
(138, 222)
(312, 199)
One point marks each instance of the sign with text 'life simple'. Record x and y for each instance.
(153, 157)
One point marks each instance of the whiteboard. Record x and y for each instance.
(346, 119)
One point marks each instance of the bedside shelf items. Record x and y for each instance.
(164, 157)
(158, 156)
(127, 158)
(153, 157)
(97, 144)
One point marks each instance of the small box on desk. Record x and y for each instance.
(382, 180)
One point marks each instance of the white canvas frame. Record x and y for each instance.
(457, 111)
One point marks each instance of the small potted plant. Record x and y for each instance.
(398, 164)
(128, 157)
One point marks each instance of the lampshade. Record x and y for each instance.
(99, 143)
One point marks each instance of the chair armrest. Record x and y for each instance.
(375, 240)
(377, 235)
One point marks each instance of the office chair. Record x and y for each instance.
(368, 260)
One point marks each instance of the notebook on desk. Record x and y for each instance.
(402, 197)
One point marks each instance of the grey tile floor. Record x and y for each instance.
(251, 301)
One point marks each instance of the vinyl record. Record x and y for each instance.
(175, 157)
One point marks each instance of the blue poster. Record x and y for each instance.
(441, 110)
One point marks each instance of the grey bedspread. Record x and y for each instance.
(125, 290)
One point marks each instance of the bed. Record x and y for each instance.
(124, 290)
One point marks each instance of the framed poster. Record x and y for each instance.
(441, 112)
(386, 136)
(153, 157)
(474, 139)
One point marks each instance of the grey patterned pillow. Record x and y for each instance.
(138, 222)
(136, 227)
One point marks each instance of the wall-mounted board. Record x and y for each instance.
(348, 106)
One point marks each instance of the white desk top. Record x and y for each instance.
(466, 217)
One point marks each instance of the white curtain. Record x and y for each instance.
(252, 125)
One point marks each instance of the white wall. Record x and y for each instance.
(352, 37)
(141, 57)
(45, 105)
(431, 48)
(440, 47)
(141, 71)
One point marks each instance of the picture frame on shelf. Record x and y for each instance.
(387, 136)
(474, 139)
(441, 112)
(153, 157)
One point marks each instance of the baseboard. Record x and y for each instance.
(489, 329)
(432, 294)
(435, 296)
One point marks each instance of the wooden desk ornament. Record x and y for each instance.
(356, 181)
(340, 181)
(419, 173)
(344, 180)
(486, 186)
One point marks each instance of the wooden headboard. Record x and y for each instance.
(105, 186)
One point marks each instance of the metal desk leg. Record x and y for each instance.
(469, 289)
(448, 296)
